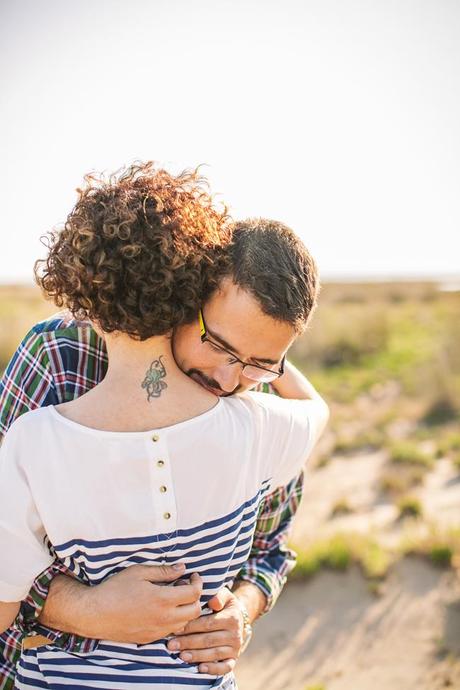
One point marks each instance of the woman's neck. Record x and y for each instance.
(143, 389)
(144, 369)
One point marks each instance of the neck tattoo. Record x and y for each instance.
(152, 382)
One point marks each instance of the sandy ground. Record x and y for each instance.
(332, 630)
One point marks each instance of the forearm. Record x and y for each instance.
(70, 607)
(8, 612)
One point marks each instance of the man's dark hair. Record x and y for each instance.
(268, 260)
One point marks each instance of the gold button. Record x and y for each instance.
(155, 437)
(167, 516)
(163, 489)
(160, 463)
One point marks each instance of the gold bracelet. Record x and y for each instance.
(247, 627)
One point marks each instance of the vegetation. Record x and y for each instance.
(339, 552)
(361, 336)
(341, 507)
(408, 453)
(409, 506)
(369, 440)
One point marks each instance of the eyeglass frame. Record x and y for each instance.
(206, 339)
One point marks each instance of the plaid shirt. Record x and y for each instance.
(59, 360)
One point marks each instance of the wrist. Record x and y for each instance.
(252, 598)
(247, 627)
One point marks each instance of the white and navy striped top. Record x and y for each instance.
(106, 500)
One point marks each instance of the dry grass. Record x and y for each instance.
(441, 547)
(399, 480)
(409, 453)
(340, 551)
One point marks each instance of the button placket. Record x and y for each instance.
(163, 500)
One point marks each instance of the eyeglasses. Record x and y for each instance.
(252, 371)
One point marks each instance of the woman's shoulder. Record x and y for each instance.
(29, 422)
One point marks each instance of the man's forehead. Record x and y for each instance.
(236, 321)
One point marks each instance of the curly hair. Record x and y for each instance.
(139, 252)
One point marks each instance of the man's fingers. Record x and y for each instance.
(218, 601)
(218, 668)
(183, 614)
(160, 573)
(206, 623)
(215, 654)
(184, 594)
(204, 641)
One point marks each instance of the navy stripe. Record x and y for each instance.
(185, 558)
(121, 678)
(160, 537)
(204, 539)
(113, 555)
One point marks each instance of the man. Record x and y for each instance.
(62, 358)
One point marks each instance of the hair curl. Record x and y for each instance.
(139, 252)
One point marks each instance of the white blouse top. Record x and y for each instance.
(105, 500)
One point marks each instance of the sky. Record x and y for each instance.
(339, 117)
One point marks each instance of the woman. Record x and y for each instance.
(127, 473)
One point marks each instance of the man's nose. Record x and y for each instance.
(228, 377)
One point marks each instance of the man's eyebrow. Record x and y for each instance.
(227, 346)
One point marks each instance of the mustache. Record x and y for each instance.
(212, 383)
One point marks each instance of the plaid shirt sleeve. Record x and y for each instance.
(270, 560)
(28, 382)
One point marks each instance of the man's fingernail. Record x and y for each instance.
(186, 656)
(174, 645)
(203, 669)
(178, 566)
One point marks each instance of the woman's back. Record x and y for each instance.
(186, 493)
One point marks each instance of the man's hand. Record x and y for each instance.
(131, 606)
(213, 641)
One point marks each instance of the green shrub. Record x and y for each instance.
(441, 411)
(410, 506)
(440, 546)
(448, 443)
(408, 453)
(333, 553)
(338, 552)
(441, 556)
